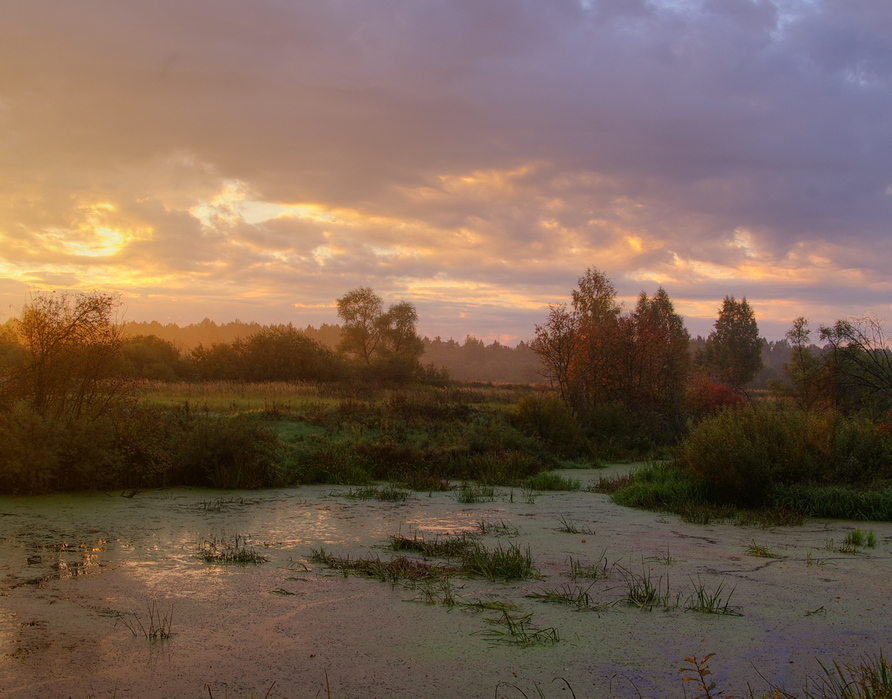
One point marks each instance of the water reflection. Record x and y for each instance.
(158, 534)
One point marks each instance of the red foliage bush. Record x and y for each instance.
(706, 398)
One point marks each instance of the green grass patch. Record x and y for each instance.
(551, 480)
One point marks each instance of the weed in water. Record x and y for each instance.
(570, 527)
(857, 538)
(469, 494)
(502, 690)
(871, 678)
(224, 552)
(644, 592)
(594, 571)
(500, 563)
(551, 480)
(517, 629)
(396, 570)
(438, 547)
(388, 493)
(218, 504)
(666, 560)
(157, 627)
(810, 560)
(711, 601)
(500, 528)
(490, 605)
(698, 672)
(574, 595)
(759, 551)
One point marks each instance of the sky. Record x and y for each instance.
(256, 160)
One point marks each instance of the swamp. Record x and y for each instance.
(196, 592)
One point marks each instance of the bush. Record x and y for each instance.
(551, 480)
(38, 455)
(321, 460)
(226, 452)
(707, 398)
(620, 433)
(742, 452)
(549, 419)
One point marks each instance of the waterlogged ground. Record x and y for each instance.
(82, 577)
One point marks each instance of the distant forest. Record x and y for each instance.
(469, 360)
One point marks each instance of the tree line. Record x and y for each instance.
(611, 365)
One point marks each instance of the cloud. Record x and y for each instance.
(471, 157)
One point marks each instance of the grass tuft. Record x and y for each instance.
(223, 552)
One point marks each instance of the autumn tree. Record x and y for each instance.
(598, 356)
(579, 345)
(72, 344)
(657, 358)
(733, 351)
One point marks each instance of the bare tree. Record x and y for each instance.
(861, 360)
(72, 345)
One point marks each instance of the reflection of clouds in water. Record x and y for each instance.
(455, 522)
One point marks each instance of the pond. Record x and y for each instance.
(105, 595)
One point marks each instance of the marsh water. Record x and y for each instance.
(84, 578)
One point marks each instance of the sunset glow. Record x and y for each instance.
(258, 160)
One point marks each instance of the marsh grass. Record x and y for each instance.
(157, 626)
(835, 502)
(500, 528)
(646, 593)
(517, 629)
(760, 551)
(594, 571)
(438, 547)
(570, 527)
(499, 563)
(574, 595)
(715, 601)
(471, 493)
(225, 552)
(666, 487)
(386, 493)
(396, 570)
(551, 480)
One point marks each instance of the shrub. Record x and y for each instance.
(619, 432)
(549, 419)
(742, 452)
(321, 460)
(227, 452)
(551, 480)
(38, 454)
(707, 398)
